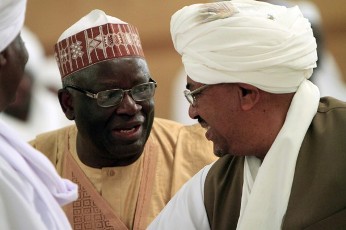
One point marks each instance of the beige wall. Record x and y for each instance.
(334, 22)
(48, 18)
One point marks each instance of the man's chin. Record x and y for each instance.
(220, 152)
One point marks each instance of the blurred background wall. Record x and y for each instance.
(49, 18)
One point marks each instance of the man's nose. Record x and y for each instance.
(128, 105)
(193, 112)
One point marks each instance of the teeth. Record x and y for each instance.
(127, 130)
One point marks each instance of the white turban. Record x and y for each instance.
(12, 14)
(271, 47)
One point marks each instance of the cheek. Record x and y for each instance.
(213, 113)
(92, 124)
(12, 87)
(148, 108)
(221, 119)
(222, 129)
(149, 113)
(21, 60)
(88, 112)
(16, 78)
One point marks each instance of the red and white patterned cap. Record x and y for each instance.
(94, 38)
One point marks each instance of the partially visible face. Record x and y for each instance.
(16, 58)
(20, 108)
(217, 110)
(118, 133)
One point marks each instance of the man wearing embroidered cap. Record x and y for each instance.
(127, 163)
(31, 191)
(282, 148)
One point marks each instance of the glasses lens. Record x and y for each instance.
(143, 92)
(109, 97)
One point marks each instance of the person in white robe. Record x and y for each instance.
(248, 65)
(31, 192)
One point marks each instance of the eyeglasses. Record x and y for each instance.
(114, 97)
(191, 95)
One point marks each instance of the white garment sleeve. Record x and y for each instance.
(17, 208)
(186, 209)
(31, 191)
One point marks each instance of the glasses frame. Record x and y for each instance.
(191, 95)
(96, 95)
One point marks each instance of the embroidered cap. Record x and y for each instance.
(94, 38)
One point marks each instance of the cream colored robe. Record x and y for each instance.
(134, 194)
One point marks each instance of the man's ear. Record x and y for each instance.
(249, 95)
(66, 99)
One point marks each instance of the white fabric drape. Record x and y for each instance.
(266, 205)
(251, 167)
(186, 209)
(31, 190)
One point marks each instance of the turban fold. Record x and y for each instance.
(271, 47)
(94, 38)
(12, 15)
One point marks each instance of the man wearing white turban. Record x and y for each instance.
(31, 191)
(282, 148)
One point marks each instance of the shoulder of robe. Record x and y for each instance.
(165, 130)
(190, 136)
(49, 142)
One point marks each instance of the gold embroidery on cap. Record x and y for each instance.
(97, 44)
